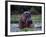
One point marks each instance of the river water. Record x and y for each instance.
(15, 27)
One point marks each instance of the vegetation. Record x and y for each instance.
(15, 18)
(17, 9)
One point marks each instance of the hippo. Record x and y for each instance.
(25, 20)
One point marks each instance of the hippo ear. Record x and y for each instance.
(30, 12)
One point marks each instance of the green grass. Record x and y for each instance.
(15, 18)
(36, 17)
(27, 29)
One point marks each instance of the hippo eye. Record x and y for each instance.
(26, 13)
